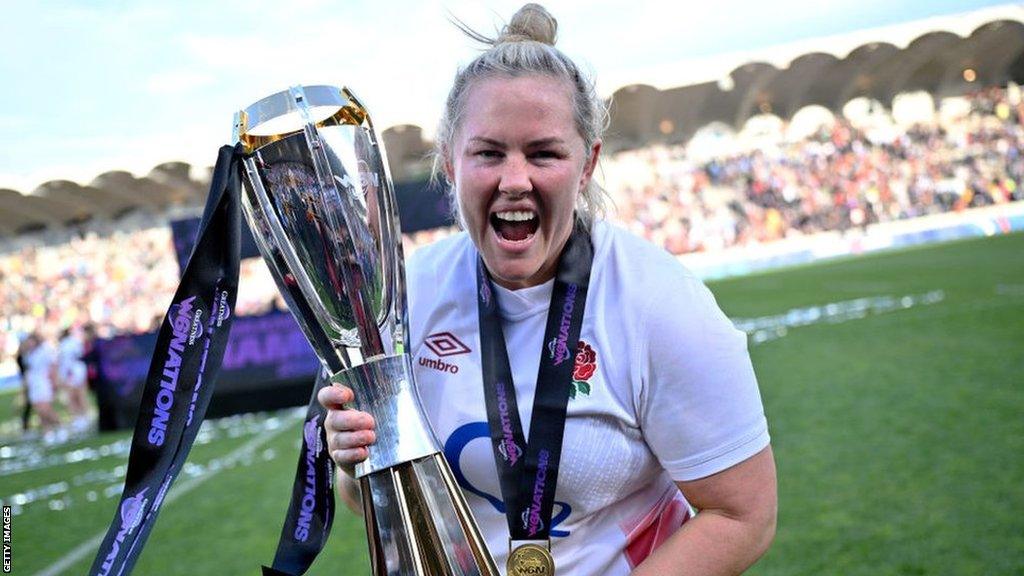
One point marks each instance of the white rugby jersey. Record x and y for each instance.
(40, 360)
(70, 350)
(664, 391)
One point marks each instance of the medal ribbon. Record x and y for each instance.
(179, 384)
(529, 471)
(307, 523)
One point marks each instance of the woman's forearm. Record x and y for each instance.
(736, 524)
(710, 544)
(348, 490)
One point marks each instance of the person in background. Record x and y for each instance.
(24, 347)
(106, 416)
(72, 373)
(40, 373)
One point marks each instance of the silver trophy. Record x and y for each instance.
(321, 207)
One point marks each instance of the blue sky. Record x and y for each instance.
(87, 87)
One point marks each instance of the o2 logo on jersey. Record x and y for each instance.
(453, 448)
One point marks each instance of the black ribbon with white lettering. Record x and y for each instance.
(311, 511)
(529, 471)
(179, 384)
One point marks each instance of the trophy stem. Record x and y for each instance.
(420, 524)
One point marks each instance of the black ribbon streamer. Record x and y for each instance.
(189, 351)
(179, 384)
(529, 471)
(311, 511)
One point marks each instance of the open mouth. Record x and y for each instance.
(515, 225)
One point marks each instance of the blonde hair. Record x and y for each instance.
(526, 45)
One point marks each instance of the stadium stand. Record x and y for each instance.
(120, 276)
(839, 177)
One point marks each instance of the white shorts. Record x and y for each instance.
(73, 375)
(40, 389)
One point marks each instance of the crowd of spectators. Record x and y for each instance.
(840, 177)
(115, 283)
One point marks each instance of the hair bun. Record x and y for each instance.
(531, 23)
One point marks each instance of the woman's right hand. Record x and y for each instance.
(349, 432)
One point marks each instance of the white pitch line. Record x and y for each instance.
(92, 544)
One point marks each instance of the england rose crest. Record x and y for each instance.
(584, 368)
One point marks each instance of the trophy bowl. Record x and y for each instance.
(318, 197)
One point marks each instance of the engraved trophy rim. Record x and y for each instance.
(282, 104)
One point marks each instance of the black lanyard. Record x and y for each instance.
(189, 350)
(529, 471)
(307, 523)
(178, 388)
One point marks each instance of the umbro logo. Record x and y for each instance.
(445, 344)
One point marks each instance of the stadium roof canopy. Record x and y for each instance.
(668, 103)
(111, 194)
(943, 56)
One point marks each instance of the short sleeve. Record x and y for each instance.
(700, 408)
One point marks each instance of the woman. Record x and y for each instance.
(72, 371)
(40, 372)
(661, 408)
(26, 409)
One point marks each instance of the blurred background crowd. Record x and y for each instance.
(837, 178)
(841, 176)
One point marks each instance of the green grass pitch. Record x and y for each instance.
(897, 419)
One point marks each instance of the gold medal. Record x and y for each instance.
(530, 560)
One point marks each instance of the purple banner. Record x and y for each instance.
(262, 351)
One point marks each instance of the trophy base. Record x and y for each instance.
(418, 523)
